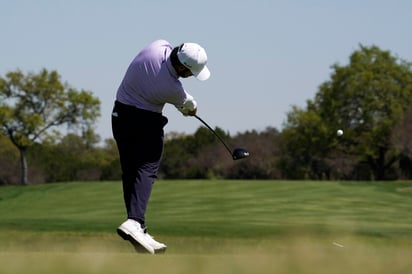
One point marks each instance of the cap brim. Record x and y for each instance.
(202, 75)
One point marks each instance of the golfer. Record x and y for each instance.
(151, 81)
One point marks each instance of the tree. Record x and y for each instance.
(189, 156)
(111, 163)
(307, 141)
(9, 156)
(402, 140)
(264, 150)
(32, 105)
(365, 98)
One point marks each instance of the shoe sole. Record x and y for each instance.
(137, 246)
(160, 250)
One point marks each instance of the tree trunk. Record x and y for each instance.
(23, 162)
(380, 166)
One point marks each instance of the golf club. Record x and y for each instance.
(238, 153)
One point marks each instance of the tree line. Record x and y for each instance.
(370, 99)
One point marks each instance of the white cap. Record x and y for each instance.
(194, 57)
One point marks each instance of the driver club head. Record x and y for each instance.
(239, 153)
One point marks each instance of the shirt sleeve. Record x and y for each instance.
(186, 104)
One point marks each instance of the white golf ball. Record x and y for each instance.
(339, 132)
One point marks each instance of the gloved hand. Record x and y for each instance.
(189, 107)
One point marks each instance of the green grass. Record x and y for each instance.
(211, 227)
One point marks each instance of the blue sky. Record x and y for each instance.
(264, 55)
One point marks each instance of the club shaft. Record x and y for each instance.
(214, 132)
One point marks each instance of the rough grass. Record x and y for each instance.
(211, 227)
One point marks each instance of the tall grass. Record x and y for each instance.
(211, 226)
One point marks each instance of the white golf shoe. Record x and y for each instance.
(142, 241)
(132, 231)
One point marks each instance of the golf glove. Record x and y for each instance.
(188, 107)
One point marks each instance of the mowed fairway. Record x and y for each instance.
(211, 227)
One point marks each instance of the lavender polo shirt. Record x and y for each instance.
(151, 81)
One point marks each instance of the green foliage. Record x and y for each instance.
(365, 98)
(402, 141)
(9, 156)
(305, 137)
(265, 152)
(202, 156)
(76, 158)
(31, 105)
(180, 151)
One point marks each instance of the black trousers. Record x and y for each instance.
(139, 138)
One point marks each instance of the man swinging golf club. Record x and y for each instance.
(151, 81)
